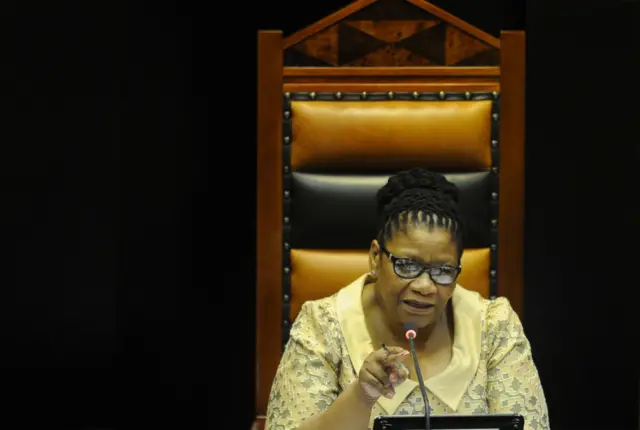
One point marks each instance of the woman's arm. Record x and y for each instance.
(305, 394)
(350, 411)
(513, 383)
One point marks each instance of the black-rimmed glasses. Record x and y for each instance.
(406, 268)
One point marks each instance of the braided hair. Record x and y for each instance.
(418, 197)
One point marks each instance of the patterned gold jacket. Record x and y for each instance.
(491, 370)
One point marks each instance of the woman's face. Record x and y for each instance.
(420, 300)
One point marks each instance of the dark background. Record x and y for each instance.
(127, 154)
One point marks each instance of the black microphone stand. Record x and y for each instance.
(423, 390)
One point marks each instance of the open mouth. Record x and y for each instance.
(416, 304)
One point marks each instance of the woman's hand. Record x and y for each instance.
(381, 371)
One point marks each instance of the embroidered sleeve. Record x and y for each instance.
(306, 381)
(513, 384)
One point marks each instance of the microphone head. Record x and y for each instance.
(410, 330)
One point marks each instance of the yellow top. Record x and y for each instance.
(491, 369)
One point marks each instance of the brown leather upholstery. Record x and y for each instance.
(337, 153)
(391, 134)
(319, 273)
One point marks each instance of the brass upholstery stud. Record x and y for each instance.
(493, 273)
(494, 247)
(287, 114)
(286, 194)
(286, 220)
(494, 170)
(287, 270)
(415, 95)
(390, 95)
(286, 297)
(287, 139)
(286, 323)
(286, 169)
(494, 143)
(312, 95)
(338, 95)
(494, 222)
(494, 196)
(442, 95)
(364, 95)
(286, 245)
(495, 95)
(287, 95)
(467, 95)
(495, 116)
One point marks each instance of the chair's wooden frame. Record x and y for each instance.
(274, 79)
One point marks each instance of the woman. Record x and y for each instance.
(473, 353)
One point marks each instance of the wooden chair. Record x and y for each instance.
(377, 87)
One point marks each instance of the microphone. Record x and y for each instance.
(410, 332)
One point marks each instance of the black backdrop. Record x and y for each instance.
(128, 199)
